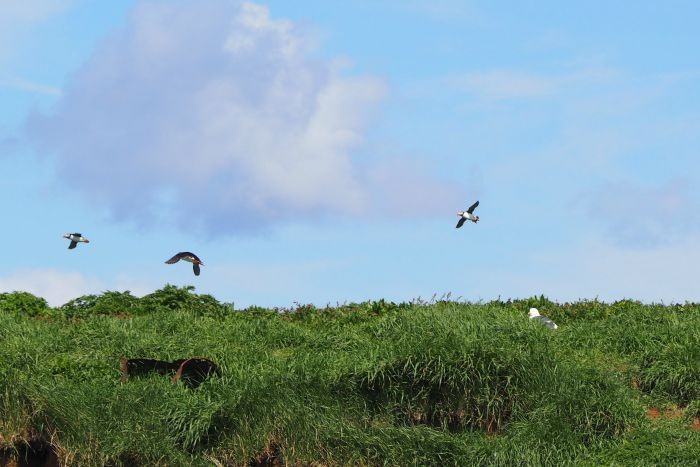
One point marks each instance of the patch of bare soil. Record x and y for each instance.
(271, 456)
(673, 413)
(653, 413)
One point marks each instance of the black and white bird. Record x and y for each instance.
(189, 257)
(75, 238)
(534, 314)
(467, 215)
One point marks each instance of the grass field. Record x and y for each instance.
(376, 383)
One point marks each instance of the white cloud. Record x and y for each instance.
(17, 17)
(595, 268)
(213, 116)
(508, 84)
(57, 287)
(638, 215)
(503, 84)
(215, 113)
(28, 11)
(29, 86)
(402, 190)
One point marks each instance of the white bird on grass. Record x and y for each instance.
(534, 314)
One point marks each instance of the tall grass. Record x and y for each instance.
(374, 383)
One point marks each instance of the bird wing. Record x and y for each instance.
(195, 268)
(174, 259)
(547, 322)
(472, 207)
(72, 245)
(187, 253)
(461, 222)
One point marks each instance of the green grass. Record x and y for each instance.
(374, 383)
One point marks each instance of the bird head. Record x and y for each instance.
(477, 219)
(66, 235)
(533, 312)
(86, 240)
(459, 213)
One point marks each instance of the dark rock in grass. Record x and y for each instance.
(33, 453)
(192, 372)
(142, 366)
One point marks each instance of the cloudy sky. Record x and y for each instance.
(317, 151)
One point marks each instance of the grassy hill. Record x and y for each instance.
(375, 383)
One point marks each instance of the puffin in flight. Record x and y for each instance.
(75, 238)
(534, 314)
(467, 215)
(189, 257)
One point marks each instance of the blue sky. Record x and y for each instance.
(317, 151)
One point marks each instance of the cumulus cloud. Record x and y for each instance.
(30, 10)
(30, 86)
(508, 84)
(213, 114)
(637, 215)
(17, 16)
(596, 268)
(57, 287)
(402, 189)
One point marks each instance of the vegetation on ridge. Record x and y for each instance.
(440, 383)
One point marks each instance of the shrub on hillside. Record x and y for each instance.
(108, 303)
(169, 298)
(23, 303)
(175, 298)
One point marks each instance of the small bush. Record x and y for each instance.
(108, 303)
(23, 304)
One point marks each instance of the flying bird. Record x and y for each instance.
(75, 238)
(189, 257)
(534, 314)
(467, 215)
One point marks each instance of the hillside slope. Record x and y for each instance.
(375, 383)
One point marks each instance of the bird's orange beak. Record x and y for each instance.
(87, 241)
